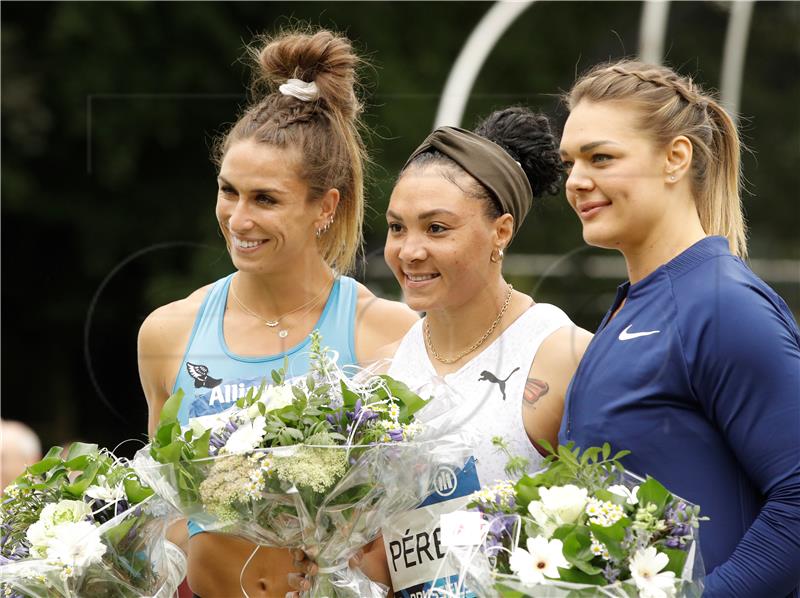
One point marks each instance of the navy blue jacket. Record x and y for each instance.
(699, 376)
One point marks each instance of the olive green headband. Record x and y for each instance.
(488, 163)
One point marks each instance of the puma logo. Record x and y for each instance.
(490, 377)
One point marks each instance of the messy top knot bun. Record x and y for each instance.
(322, 128)
(324, 58)
(527, 137)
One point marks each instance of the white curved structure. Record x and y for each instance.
(653, 30)
(470, 61)
(652, 34)
(733, 56)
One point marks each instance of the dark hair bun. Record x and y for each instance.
(527, 137)
(323, 57)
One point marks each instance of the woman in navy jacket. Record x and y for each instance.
(696, 366)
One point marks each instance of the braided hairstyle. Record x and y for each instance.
(527, 138)
(325, 131)
(670, 105)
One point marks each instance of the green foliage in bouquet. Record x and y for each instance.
(607, 524)
(51, 512)
(320, 410)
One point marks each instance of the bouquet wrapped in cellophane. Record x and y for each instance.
(316, 463)
(84, 526)
(580, 527)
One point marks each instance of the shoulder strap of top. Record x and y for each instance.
(338, 324)
(206, 326)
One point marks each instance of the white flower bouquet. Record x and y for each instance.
(83, 526)
(317, 463)
(582, 527)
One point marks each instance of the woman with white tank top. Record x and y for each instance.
(455, 208)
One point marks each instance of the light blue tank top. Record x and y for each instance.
(213, 377)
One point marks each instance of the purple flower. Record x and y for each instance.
(610, 573)
(396, 435)
(672, 542)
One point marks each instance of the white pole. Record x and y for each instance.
(733, 57)
(653, 30)
(474, 53)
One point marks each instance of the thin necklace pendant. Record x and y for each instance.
(272, 323)
(283, 333)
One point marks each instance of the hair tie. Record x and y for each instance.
(302, 90)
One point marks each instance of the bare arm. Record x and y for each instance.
(548, 380)
(160, 345)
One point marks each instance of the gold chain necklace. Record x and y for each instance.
(283, 332)
(478, 343)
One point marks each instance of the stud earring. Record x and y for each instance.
(499, 257)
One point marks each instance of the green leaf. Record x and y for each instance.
(135, 491)
(166, 432)
(526, 491)
(677, 560)
(612, 536)
(578, 550)
(83, 481)
(577, 576)
(277, 378)
(294, 433)
(116, 534)
(50, 460)
(410, 402)
(652, 492)
(546, 446)
(169, 412)
(606, 450)
(200, 445)
(171, 453)
(79, 450)
(563, 531)
(506, 592)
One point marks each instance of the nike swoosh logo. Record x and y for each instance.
(626, 336)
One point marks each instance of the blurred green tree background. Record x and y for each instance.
(109, 109)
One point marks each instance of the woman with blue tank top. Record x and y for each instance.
(458, 203)
(696, 366)
(290, 207)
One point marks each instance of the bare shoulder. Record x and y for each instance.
(379, 324)
(172, 321)
(162, 340)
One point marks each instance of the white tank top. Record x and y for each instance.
(498, 374)
(494, 380)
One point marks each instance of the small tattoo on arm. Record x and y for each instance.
(534, 390)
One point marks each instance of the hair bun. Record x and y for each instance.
(323, 57)
(527, 137)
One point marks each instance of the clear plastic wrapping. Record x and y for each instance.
(317, 463)
(136, 561)
(648, 536)
(280, 497)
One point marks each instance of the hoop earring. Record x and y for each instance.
(499, 257)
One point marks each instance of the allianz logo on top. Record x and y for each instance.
(445, 482)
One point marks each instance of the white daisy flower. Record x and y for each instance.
(541, 560)
(646, 566)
